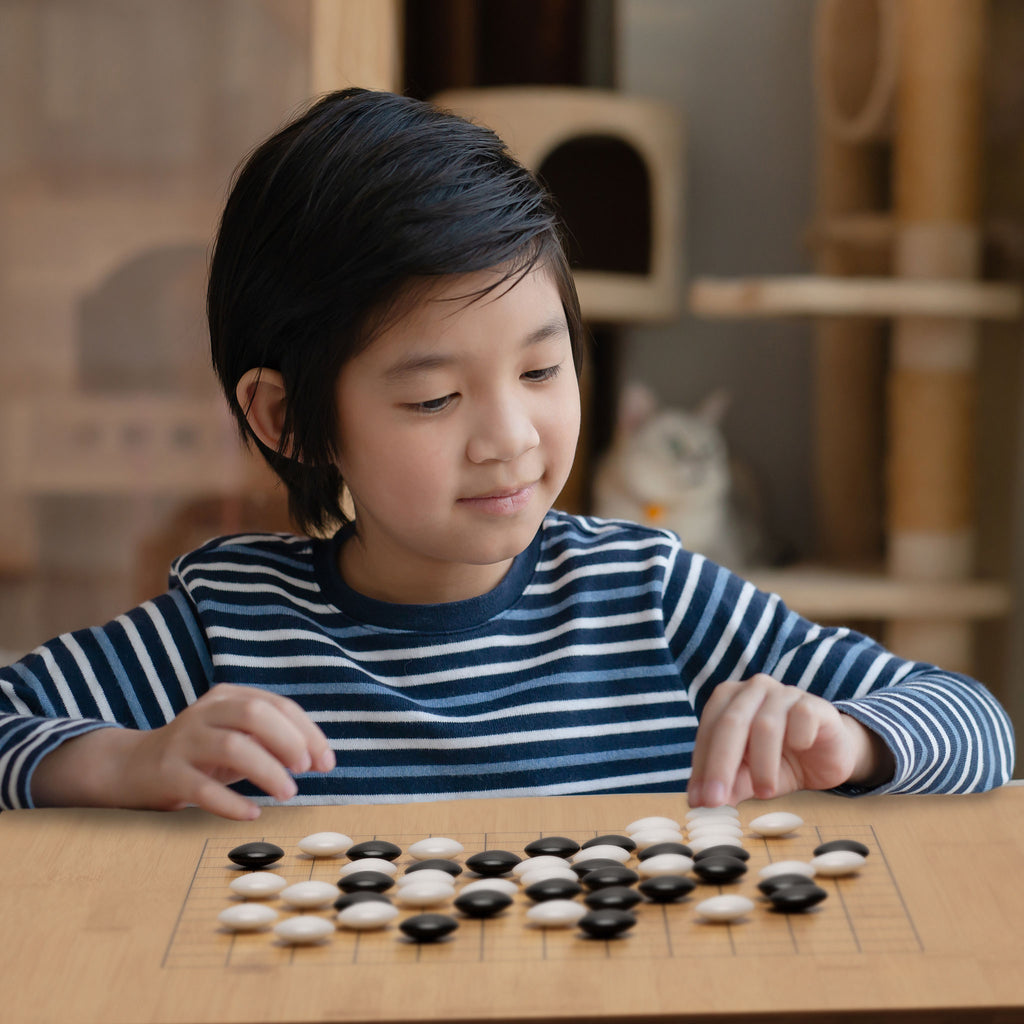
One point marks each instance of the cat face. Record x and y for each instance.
(676, 457)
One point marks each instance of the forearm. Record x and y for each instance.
(87, 771)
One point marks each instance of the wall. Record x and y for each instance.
(739, 74)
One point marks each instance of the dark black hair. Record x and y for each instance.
(328, 224)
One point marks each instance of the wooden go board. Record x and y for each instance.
(112, 917)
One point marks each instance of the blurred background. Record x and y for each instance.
(814, 207)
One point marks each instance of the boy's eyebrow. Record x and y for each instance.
(414, 364)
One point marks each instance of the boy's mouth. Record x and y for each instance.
(503, 501)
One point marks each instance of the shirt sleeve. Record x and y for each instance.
(137, 672)
(946, 731)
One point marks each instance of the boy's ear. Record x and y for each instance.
(261, 395)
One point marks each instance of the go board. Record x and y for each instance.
(112, 917)
(865, 913)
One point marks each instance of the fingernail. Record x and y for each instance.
(326, 761)
(714, 794)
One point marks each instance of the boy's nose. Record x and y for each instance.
(503, 431)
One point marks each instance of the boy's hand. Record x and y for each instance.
(230, 733)
(761, 738)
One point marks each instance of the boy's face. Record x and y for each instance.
(457, 430)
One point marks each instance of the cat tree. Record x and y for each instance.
(923, 93)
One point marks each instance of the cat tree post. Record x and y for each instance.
(855, 59)
(932, 376)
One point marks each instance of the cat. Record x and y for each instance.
(671, 468)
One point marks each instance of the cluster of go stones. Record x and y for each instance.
(593, 886)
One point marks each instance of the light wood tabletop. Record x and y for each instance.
(111, 916)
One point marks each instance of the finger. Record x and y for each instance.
(768, 732)
(227, 755)
(217, 798)
(726, 740)
(716, 704)
(261, 716)
(318, 747)
(804, 724)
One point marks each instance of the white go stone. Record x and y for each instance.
(435, 846)
(707, 825)
(838, 863)
(778, 823)
(505, 885)
(543, 860)
(325, 844)
(655, 821)
(368, 916)
(248, 917)
(258, 885)
(555, 914)
(787, 867)
(369, 864)
(651, 836)
(611, 852)
(725, 811)
(303, 929)
(425, 894)
(424, 875)
(709, 839)
(728, 907)
(665, 864)
(543, 873)
(307, 895)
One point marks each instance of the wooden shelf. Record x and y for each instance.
(818, 295)
(820, 592)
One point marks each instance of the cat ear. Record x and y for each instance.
(637, 404)
(714, 407)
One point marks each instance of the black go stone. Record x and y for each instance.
(624, 842)
(365, 881)
(552, 846)
(553, 889)
(428, 927)
(613, 897)
(725, 850)
(348, 899)
(438, 864)
(720, 870)
(667, 888)
(255, 855)
(583, 867)
(491, 863)
(769, 885)
(657, 848)
(601, 878)
(607, 924)
(482, 902)
(374, 848)
(842, 844)
(797, 898)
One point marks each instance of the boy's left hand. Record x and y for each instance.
(761, 738)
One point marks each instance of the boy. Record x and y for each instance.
(391, 309)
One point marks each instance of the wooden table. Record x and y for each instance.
(111, 917)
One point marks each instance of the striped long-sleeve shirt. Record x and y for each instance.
(584, 671)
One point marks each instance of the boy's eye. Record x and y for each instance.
(433, 405)
(548, 373)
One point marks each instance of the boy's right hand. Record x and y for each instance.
(231, 733)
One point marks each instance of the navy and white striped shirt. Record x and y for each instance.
(584, 671)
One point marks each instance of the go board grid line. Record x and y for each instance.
(842, 901)
(899, 891)
(681, 935)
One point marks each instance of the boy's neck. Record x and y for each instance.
(440, 583)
